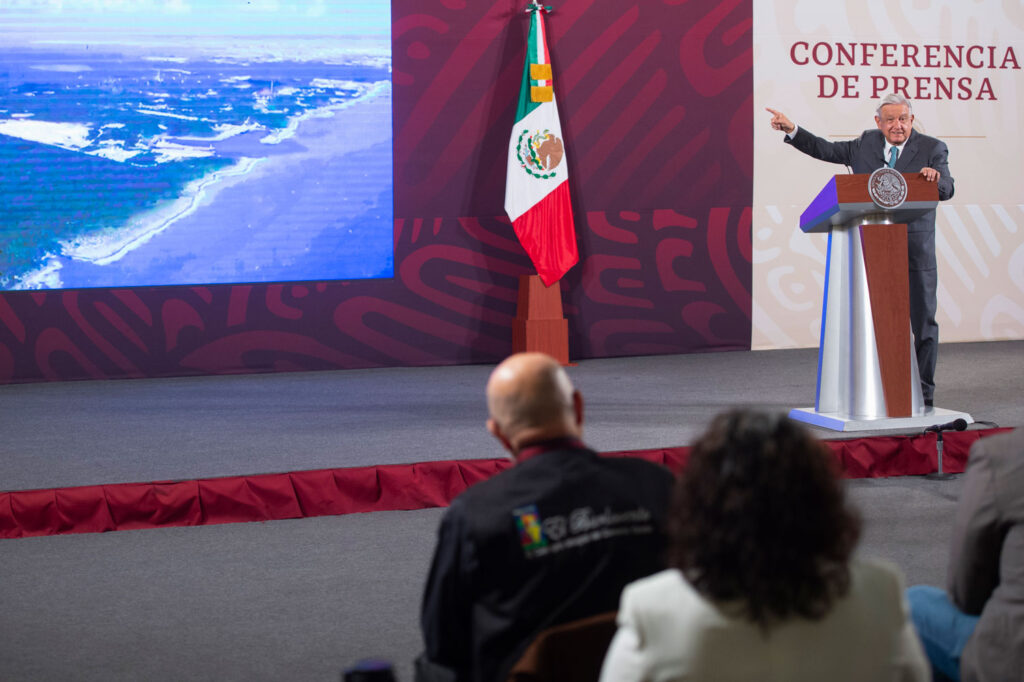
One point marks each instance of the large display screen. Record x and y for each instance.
(147, 142)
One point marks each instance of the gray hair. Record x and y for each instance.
(893, 98)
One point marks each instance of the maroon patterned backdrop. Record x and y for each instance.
(656, 106)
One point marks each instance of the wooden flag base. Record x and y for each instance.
(539, 326)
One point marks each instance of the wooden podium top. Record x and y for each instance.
(845, 198)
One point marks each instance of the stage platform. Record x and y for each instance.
(99, 436)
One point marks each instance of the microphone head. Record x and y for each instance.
(955, 425)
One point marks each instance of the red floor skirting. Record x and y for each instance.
(298, 494)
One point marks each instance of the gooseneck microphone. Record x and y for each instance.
(955, 425)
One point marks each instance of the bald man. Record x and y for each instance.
(552, 540)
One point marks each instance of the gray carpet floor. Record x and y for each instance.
(301, 599)
(91, 432)
(296, 600)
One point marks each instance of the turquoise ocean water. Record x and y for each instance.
(92, 143)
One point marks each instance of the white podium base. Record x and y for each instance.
(839, 422)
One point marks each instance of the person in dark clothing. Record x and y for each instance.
(552, 540)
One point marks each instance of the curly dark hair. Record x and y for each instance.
(759, 515)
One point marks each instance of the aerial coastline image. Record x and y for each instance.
(177, 142)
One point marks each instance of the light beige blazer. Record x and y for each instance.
(668, 631)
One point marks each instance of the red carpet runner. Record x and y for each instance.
(299, 494)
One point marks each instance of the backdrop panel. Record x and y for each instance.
(826, 65)
(656, 103)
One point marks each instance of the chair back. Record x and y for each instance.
(571, 652)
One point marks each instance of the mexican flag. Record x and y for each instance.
(537, 182)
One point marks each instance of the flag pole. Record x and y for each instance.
(536, 158)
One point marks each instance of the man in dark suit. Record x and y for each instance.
(976, 631)
(895, 143)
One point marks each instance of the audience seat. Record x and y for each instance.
(571, 652)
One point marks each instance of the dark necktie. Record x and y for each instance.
(893, 153)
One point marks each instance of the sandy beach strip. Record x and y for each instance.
(253, 221)
(112, 244)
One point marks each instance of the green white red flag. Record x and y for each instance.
(537, 182)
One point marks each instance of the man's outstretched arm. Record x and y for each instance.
(819, 148)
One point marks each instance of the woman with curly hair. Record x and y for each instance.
(762, 585)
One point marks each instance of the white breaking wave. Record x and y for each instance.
(72, 136)
(370, 90)
(166, 114)
(113, 150)
(62, 68)
(336, 84)
(169, 151)
(224, 131)
(46, 276)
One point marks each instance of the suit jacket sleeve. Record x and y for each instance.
(939, 160)
(445, 617)
(977, 536)
(834, 152)
(864, 154)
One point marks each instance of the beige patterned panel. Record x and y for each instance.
(980, 232)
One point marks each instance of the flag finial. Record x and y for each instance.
(535, 6)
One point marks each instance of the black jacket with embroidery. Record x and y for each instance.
(553, 539)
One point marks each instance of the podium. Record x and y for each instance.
(867, 368)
